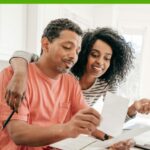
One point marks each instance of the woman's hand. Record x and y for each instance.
(141, 106)
(15, 91)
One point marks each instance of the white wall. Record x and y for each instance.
(12, 29)
(103, 15)
(137, 18)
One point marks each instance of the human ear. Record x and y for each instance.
(44, 44)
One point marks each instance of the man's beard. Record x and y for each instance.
(62, 70)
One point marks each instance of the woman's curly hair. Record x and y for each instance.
(121, 61)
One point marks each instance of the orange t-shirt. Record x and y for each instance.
(47, 102)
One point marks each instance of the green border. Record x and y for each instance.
(75, 1)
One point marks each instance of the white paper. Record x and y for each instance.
(129, 134)
(98, 105)
(137, 122)
(113, 114)
(75, 143)
(84, 142)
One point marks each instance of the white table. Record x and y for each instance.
(134, 148)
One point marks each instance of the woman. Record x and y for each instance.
(104, 61)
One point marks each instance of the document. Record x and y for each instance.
(98, 105)
(84, 142)
(142, 140)
(128, 134)
(113, 111)
(78, 143)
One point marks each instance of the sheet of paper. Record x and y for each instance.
(137, 122)
(84, 142)
(143, 138)
(113, 114)
(98, 105)
(124, 136)
(74, 143)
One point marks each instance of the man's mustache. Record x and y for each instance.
(69, 60)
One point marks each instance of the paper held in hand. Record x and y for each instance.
(113, 113)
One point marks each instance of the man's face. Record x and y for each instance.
(62, 53)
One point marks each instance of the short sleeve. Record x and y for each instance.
(29, 57)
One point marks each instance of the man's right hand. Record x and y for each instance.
(83, 122)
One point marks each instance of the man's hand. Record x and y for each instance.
(123, 145)
(83, 122)
(141, 106)
(99, 134)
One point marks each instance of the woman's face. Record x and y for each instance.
(99, 59)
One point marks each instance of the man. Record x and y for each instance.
(53, 108)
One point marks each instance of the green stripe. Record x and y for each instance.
(75, 1)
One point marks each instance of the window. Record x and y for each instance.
(131, 87)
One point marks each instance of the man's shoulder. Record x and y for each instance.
(8, 71)
(31, 67)
(69, 80)
(5, 75)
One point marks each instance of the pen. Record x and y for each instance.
(8, 119)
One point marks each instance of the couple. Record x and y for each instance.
(53, 107)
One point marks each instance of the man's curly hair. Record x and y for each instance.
(121, 61)
(53, 29)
